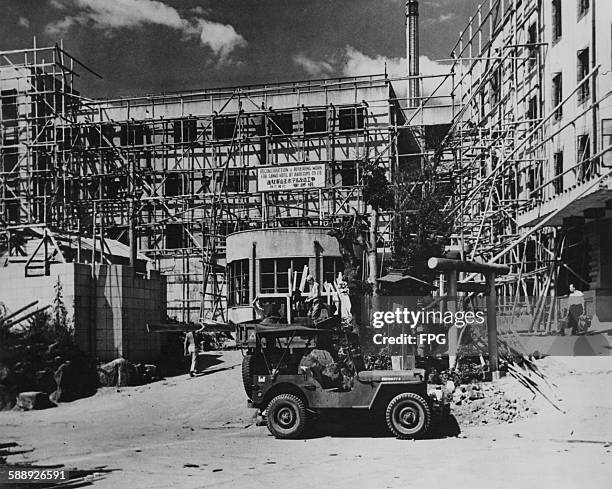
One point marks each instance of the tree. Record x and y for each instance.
(362, 230)
(420, 227)
(378, 194)
(60, 324)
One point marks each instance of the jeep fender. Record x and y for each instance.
(283, 388)
(387, 391)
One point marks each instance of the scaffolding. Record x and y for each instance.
(516, 198)
(171, 175)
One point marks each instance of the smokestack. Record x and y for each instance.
(412, 49)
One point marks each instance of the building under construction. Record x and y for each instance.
(532, 135)
(160, 181)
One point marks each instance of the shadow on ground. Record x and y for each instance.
(74, 477)
(355, 424)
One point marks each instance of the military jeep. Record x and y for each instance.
(293, 371)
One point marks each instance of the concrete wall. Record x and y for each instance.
(124, 304)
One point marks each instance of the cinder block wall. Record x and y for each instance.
(124, 304)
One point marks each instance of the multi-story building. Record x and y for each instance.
(533, 80)
(171, 175)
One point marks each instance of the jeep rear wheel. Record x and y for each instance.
(286, 416)
(408, 416)
(248, 370)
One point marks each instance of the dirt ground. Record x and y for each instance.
(198, 433)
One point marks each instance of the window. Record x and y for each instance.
(236, 180)
(132, 134)
(583, 71)
(495, 87)
(583, 7)
(534, 179)
(345, 174)
(281, 124)
(351, 119)
(101, 136)
(331, 268)
(238, 283)
(174, 236)
(185, 131)
(558, 167)
(173, 185)
(531, 180)
(10, 157)
(274, 276)
(8, 115)
(606, 137)
(533, 45)
(557, 93)
(532, 110)
(315, 121)
(224, 127)
(583, 157)
(556, 22)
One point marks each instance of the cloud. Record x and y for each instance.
(441, 19)
(110, 15)
(221, 38)
(313, 67)
(352, 62)
(358, 63)
(23, 22)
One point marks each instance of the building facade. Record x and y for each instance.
(533, 81)
(171, 175)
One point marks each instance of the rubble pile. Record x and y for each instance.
(480, 403)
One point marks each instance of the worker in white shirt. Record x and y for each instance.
(576, 308)
(313, 299)
(191, 349)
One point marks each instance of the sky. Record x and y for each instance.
(151, 46)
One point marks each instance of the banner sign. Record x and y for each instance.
(290, 177)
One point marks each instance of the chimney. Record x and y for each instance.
(412, 49)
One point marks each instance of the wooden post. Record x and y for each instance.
(451, 306)
(492, 327)
(132, 238)
(46, 259)
(490, 270)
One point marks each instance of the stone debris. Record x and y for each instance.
(28, 401)
(475, 404)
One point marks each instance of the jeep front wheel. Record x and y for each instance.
(408, 416)
(286, 416)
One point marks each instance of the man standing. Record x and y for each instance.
(576, 308)
(344, 298)
(313, 300)
(191, 349)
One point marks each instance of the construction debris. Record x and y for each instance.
(475, 404)
(27, 401)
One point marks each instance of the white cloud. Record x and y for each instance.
(358, 63)
(23, 22)
(441, 19)
(109, 15)
(313, 67)
(221, 38)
